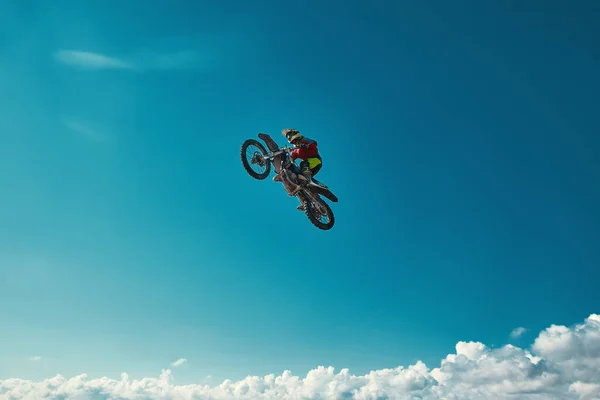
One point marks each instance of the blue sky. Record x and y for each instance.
(461, 139)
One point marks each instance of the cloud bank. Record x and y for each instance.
(562, 363)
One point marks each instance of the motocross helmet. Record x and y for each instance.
(291, 134)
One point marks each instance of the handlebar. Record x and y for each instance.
(286, 148)
(281, 149)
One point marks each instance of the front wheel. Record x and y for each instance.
(316, 210)
(253, 154)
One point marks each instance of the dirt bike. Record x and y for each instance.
(287, 172)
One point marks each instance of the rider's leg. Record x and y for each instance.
(305, 174)
(315, 166)
(310, 168)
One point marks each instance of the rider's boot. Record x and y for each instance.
(303, 180)
(305, 177)
(277, 178)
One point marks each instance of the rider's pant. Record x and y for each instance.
(313, 164)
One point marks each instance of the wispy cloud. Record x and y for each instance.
(147, 60)
(179, 362)
(84, 130)
(90, 60)
(562, 363)
(517, 332)
(35, 358)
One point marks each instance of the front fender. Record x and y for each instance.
(269, 141)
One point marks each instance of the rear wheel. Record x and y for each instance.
(319, 214)
(253, 155)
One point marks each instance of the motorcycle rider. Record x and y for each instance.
(306, 150)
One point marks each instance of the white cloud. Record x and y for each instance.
(35, 358)
(563, 363)
(517, 332)
(86, 59)
(179, 362)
